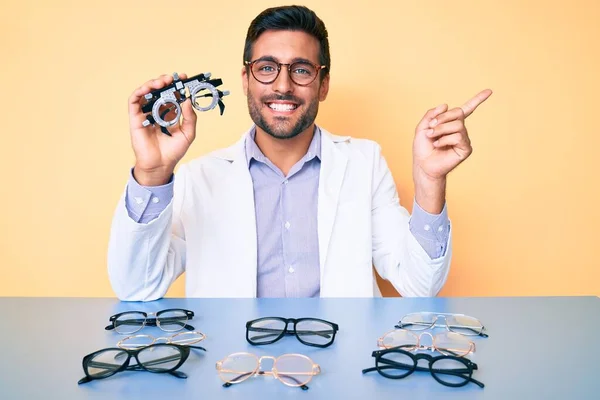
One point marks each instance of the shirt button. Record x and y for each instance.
(440, 229)
(287, 225)
(427, 227)
(285, 182)
(291, 270)
(155, 200)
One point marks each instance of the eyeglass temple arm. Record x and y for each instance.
(227, 384)
(479, 332)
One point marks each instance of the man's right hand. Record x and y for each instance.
(157, 154)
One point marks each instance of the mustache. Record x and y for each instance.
(269, 99)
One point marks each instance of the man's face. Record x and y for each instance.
(282, 108)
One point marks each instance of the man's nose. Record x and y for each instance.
(283, 83)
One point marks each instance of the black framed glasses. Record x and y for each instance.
(309, 331)
(266, 71)
(169, 320)
(156, 358)
(396, 363)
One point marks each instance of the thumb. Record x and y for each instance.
(430, 115)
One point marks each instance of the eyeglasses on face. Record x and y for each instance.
(459, 323)
(450, 371)
(156, 358)
(291, 369)
(266, 71)
(447, 343)
(169, 320)
(309, 331)
(181, 338)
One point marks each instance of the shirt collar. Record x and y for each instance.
(253, 152)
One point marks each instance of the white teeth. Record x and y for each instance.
(282, 107)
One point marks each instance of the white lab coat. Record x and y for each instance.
(209, 231)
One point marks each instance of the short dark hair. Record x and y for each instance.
(290, 18)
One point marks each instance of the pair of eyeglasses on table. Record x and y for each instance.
(397, 363)
(294, 370)
(169, 320)
(156, 358)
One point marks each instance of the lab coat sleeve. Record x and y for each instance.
(397, 255)
(145, 259)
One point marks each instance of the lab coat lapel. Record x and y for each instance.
(333, 168)
(239, 206)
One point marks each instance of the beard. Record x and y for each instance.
(283, 127)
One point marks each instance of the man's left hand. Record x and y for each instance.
(441, 139)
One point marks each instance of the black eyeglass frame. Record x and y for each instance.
(184, 352)
(318, 69)
(152, 321)
(390, 364)
(334, 327)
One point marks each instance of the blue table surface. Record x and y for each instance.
(538, 348)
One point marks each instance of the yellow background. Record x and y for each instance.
(524, 206)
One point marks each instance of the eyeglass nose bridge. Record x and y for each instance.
(421, 346)
(260, 370)
(437, 317)
(291, 82)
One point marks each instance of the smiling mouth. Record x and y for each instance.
(282, 107)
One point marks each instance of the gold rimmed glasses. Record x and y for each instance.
(447, 343)
(291, 369)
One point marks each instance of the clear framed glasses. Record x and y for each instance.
(157, 358)
(450, 371)
(309, 331)
(169, 320)
(266, 71)
(459, 323)
(291, 369)
(447, 343)
(182, 338)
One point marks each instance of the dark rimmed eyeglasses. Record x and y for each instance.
(156, 358)
(266, 71)
(451, 371)
(169, 320)
(309, 331)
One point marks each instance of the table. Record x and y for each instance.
(538, 347)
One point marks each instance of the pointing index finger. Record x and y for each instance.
(472, 104)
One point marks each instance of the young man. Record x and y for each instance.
(290, 210)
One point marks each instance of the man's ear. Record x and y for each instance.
(245, 80)
(324, 88)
